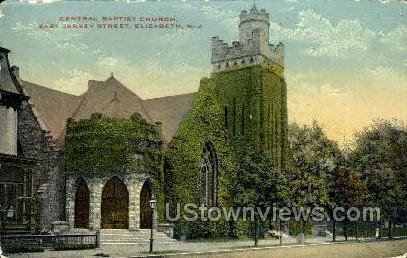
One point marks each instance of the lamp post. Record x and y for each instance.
(153, 203)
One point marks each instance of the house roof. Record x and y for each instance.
(110, 98)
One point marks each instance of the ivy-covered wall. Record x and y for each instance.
(203, 124)
(232, 110)
(100, 147)
(254, 104)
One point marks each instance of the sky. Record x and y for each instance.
(345, 61)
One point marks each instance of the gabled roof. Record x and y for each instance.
(170, 111)
(53, 107)
(110, 98)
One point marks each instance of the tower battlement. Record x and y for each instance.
(254, 14)
(253, 46)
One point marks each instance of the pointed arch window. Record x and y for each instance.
(208, 176)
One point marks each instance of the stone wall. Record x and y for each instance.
(133, 182)
(8, 130)
(47, 177)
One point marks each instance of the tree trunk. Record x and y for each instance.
(345, 231)
(357, 230)
(232, 229)
(256, 231)
(390, 232)
(281, 233)
(333, 230)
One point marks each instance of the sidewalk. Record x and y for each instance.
(137, 250)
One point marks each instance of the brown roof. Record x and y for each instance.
(170, 111)
(54, 107)
(110, 98)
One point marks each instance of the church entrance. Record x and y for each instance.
(115, 205)
(146, 212)
(81, 204)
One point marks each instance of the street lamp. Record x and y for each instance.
(153, 203)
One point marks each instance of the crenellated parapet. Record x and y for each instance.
(238, 55)
(253, 46)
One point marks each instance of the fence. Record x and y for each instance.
(49, 241)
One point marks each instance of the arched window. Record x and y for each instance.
(209, 176)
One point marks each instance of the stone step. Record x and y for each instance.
(138, 237)
(140, 240)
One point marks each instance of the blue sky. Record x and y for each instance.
(346, 61)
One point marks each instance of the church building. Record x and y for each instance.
(243, 102)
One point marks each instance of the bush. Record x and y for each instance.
(59, 246)
(21, 248)
(297, 227)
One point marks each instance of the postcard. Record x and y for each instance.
(208, 128)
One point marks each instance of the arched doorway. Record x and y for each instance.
(115, 205)
(146, 212)
(81, 204)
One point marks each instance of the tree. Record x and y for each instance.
(313, 157)
(380, 155)
(256, 183)
(345, 190)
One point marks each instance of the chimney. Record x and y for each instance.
(15, 70)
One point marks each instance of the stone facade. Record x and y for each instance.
(134, 183)
(8, 130)
(25, 140)
(47, 176)
(253, 47)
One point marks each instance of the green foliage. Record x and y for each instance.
(101, 145)
(202, 124)
(345, 188)
(256, 182)
(313, 156)
(380, 156)
(254, 99)
(297, 227)
(242, 113)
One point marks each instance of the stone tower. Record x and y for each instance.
(253, 46)
(248, 78)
